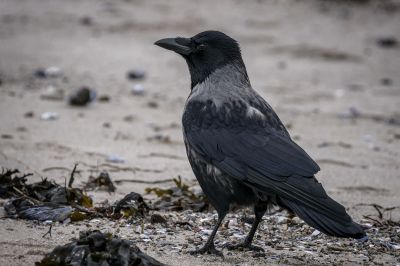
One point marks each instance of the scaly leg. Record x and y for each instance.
(259, 210)
(209, 246)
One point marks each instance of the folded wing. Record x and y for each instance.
(269, 161)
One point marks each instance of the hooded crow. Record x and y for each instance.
(238, 148)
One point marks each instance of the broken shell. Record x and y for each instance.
(138, 89)
(52, 93)
(48, 116)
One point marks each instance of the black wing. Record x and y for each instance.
(257, 150)
(233, 138)
(273, 156)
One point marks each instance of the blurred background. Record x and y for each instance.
(81, 82)
(330, 69)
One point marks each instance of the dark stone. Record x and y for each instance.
(136, 74)
(387, 42)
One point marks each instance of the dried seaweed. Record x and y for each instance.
(23, 208)
(178, 198)
(9, 182)
(47, 200)
(382, 223)
(132, 205)
(102, 182)
(97, 248)
(44, 200)
(383, 217)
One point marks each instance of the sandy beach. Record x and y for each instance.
(323, 66)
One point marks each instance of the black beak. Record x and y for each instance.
(179, 45)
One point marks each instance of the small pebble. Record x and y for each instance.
(152, 104)
(50, 72)
(29, 114)
(48, 116)
(129, 118)
(138, 89)
(86, 21)
(281, 219)
(40, 73)
(386, 81)
(104, 98)
(315, 233)
(387, 42)
(21, 129)
(52, 93)
(114, 158)
(206, 232)
(53, 72)
(160, 137)
(82, 96)
(136, 74)
(157, 219)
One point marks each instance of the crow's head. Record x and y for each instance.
(204, 52)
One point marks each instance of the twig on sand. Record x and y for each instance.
(26, 196)
(380, 219)
(48, 232)
(71, 179)
(378, 208)
(368, 217)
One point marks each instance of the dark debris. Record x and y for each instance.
(136, 74)
(132, 205)
(387, 42)
(96, 248)
(44, 200)
(178, 198)
(102, 182)
(82, 96)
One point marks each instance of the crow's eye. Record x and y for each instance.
(201, 47)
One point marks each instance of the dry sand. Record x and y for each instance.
(313, 61)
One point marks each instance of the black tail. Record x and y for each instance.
(340, 226)
(306, 197)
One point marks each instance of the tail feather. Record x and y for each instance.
(342, 226)
(306, 197)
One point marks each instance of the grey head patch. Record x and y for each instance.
(224, 85)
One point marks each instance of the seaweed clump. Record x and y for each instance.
(96, 248)
(180, 197)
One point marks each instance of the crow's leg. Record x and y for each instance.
(259, 210)
(209, 246)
